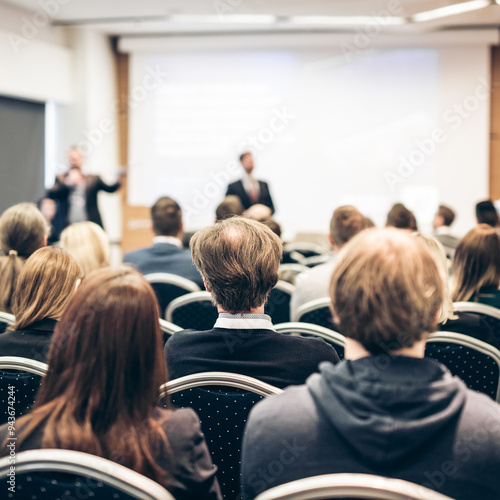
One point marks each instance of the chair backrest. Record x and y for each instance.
(317, 312)
(168, 329)
(490, 314)
(278, 303)
(475, 362)
(168, 287)
(194, 310)
(310, 330)
(307, 249)
(360, 486)
(52, 473)
(6, 319)
(19, 378)
(223, 402)
(289, 272)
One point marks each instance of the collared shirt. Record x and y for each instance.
(251, 184)
(244, 322)
(443, 230)
(172, 240)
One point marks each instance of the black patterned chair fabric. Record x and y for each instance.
(223, 410)
(317, 312)
(476, 363)
(194, 310)
(278, 303)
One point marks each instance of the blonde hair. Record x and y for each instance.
(386, 290)
(45, 285)
(476, 263)
(438, 252)
(88, 243)
(23, 230)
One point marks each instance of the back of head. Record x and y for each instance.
(45, 286)
(106, 365)
(447, 214)
(486, 213)
(239, 260)
(386, 290)
(23, 229)
(88, 244)
(399, 216)
(166, 215)
(476, 263)
(229, 207)
(346, 222)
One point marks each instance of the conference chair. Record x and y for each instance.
(168, 329)
(19, 378)
(6, 320)
(194, 310)
(309, 330)
(64, 474)
(306, 249)
(475, 362)
(490, 314)
(223, 402)
(359, 486)
(317, 312)
(289, 272)
(168, 287)
(278, 303)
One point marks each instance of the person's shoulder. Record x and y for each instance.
(133, 254)
(185, 337)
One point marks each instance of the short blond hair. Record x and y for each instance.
(386, 290)
(45, 286)
(239, 260)
(88, 244)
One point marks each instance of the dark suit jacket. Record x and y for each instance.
(274, 358)
(32, 342)
(165, 258)
(190, 472)
(237, 189)
(93, 184)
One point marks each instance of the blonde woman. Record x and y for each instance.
(88, 244)
(450, 320)
(45, 286)
(476, 267)
(23, 229)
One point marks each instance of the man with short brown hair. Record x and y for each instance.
(443, 219)
(239, 259)
(386, 409)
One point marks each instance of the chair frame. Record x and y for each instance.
(311, 329)
(310, 306)
(284, 286)
(297, 246)
(23, 364)
(476, 307)
(172, 279)
(7, 318)
(186, 299)
(226, 379)
(467, 341)
(366, 486)
(168, 327)
(293, 268)
(90, 466)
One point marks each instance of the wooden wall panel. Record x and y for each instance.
(495, 125)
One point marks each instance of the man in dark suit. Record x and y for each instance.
(239, 259)
(167, 254)
(76, 193)
(249, 190)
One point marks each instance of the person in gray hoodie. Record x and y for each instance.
(385, 409)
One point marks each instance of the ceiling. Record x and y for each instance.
(163, 17)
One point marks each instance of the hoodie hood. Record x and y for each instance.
(385, 407)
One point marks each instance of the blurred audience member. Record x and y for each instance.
(88, 244)
(476, 267)
(229, 207)
(44, 288)
(346, 222)
(486, 213)
(23, 229)
(167, 254)
(400, 217)
(443, 219)
(99, 396)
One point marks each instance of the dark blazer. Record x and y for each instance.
(237, 189)
(192, 474)
(165, 258)
(33, 342)
(274, 358)
(93, 184)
